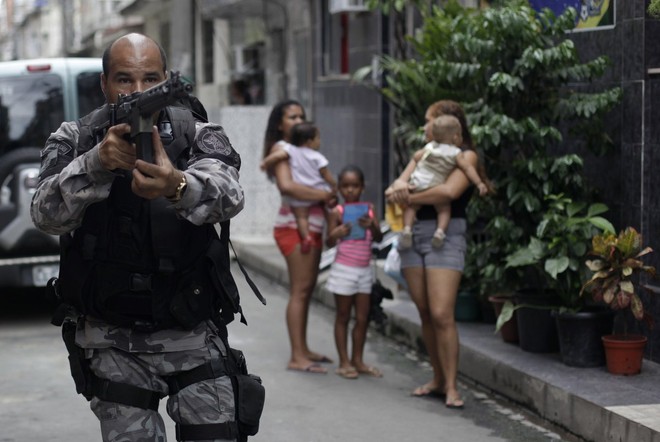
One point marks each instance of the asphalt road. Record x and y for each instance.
(38, 401)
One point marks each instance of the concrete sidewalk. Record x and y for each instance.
(588, 402)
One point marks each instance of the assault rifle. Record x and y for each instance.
(138, 110)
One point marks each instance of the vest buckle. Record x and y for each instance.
(138, 282)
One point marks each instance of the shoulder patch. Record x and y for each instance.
(54, 157)
(64, 149)
(213, 141)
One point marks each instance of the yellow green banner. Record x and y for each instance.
(592, 14)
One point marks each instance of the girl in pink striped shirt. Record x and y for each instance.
(352, 227)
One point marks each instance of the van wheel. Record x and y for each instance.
(9, 161)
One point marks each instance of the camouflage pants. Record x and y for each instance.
(207, 402)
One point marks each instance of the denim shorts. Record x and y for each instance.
(450, 256)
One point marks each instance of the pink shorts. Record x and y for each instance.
(287, 239)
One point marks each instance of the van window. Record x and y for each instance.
(90, 95)
(30, 107)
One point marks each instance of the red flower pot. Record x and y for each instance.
(624, 353)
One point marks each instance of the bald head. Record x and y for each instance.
(447, 129)
(132, 63)
(138, 44)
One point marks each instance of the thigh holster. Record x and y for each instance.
(249, 393)
(249, 397)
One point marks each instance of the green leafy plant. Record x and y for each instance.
(482, 263)
(392, 6)
(654, 8)
(555, 254)
(524, 89)
(616, 267)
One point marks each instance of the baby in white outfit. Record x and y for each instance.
(431, 166)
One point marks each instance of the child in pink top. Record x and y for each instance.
(351, 275)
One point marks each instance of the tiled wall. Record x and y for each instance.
(629, 180)
(350, 115)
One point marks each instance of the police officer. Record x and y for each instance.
(141, 262)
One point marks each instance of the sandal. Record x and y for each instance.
(371, 371)
(323, 359)
(426, 391)
(455, 403)
(314, 367)
(347, 372)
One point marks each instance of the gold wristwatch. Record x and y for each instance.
(181, 188)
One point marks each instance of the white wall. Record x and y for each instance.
(245, 127)
(218, 91)
(51, 30)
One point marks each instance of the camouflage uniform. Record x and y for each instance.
(69, 184)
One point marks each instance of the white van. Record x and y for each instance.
(36, 96)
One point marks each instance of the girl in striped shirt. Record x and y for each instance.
(351, 274)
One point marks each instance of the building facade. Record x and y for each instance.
(246, 55)
(628, 179)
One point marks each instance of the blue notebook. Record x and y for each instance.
(352, 213)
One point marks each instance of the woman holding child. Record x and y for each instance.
(303, 268)
(433, 274)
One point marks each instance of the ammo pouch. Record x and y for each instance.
(249, 396)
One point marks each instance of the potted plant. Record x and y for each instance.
(520, 99)
(508, 329)
(494, 282)
(616, 267)
(553, 263)
(468, 305)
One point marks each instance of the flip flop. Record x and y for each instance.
(455, 403)
(323, 359)
(371, 371)
(425, 391)
(313, 368)
(347, 372)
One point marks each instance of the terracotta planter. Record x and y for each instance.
(509, 330)
(624, 353)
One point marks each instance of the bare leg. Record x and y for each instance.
(415, 277)
(342, 318)
(444, 215)
(302, 222)
(405, 240)
(409, 215)
(359, 335)
(442, 291)
(303, 271)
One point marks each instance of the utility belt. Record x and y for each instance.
(151, 300)
(249, 393)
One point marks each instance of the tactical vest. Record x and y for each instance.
(133, 262)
